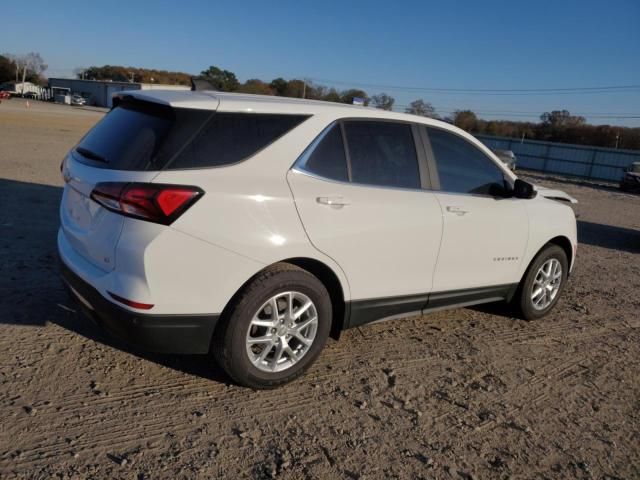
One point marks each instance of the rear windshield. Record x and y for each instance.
(145, 136)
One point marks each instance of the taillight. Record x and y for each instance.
(146, 201)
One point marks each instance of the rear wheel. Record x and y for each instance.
(275, 329)
(543, 283)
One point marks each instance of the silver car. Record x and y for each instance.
(507, 157)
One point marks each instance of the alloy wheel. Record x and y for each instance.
(282, 331)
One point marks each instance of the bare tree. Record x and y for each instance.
(561, 118)
(31, 62)
(422, 108)
(383, 101)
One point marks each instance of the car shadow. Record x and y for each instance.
(499, 309)
(609, 236)
(31, 291)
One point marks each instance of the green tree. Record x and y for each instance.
(422, 108)
(347, 96)
(7, 69)
(466, 120)
(332, 95)
(222, 80)
(256, 87)
(279, 85)
(295, 88)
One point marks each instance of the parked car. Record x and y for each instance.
(4, 95)
(78, 100)
(31, 95)
(508, 158)
(254, 227)
(631, 179)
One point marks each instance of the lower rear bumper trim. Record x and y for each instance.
(183, 334)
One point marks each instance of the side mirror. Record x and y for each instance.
(522, 189)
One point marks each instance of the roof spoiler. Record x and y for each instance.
(198, 83)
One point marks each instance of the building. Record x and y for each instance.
(100, 92)
(21, 88)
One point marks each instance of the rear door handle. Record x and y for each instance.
(457, 210)
(333, 201)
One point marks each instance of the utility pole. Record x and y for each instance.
(304, 88)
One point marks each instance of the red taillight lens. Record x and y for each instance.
(146, 201)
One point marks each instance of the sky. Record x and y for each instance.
(380, 46)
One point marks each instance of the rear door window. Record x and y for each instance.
(328, 159)
(382, 153)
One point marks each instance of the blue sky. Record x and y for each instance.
(454, 44)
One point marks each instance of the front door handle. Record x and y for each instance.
(457, 210)
(333, 201)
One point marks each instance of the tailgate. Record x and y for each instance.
(92, 230)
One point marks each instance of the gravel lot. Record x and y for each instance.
(469, 393)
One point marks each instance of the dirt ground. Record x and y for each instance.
(469, 393)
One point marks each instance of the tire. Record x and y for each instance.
(291, 286)
(525, 300)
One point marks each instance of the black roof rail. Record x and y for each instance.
(198, 83)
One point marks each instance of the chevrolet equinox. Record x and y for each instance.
(255, 227)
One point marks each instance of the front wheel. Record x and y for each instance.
(275, 329)
(543, 283)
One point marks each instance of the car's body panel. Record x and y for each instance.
(483, 241)
(548, 219)
(382, 233)
(91, 229)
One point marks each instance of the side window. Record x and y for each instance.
(382, 153)
(462, 167)
(328, 158)
(231, 137)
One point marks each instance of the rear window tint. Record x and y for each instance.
(145, 136)
(231, 137)
(128, 137)
(382, 153)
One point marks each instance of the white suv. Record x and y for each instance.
(254, 227)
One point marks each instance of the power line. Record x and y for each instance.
(493, 113)
(482, 91)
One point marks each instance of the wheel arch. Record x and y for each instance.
(561, 241)
(330, 280)
(322, 272)
(564, 243)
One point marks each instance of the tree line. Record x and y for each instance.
(556, 126)
(117, 73)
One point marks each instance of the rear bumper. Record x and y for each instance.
(185, 334)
